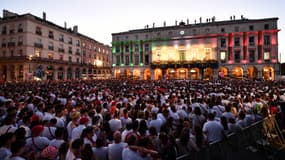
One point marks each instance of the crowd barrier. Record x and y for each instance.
(259, 136)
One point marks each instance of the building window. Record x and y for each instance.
(50, 46)
(223, 42)
(146, 59)
(127, 37)
(3, 42)
(60, 48)
(77, 60)
(50, 34)
(237, 41)
(50, 55)
(137, 59)
(70, 40)
(251, 27)
(237, 56)
(118, 57)
(136, 48)
(223, 56)
(222, 30)
(20, 40)
(146, 36)
(137, 37)
(158, 35)
(78, 43)
(251, 56)
(118, 38)
(127, 48)
(170, 33)
(12, 53)
(208, 55)
(38, 31)
(146, 47)
(266, 39)
(20, 52)
(266, 55)
(4, 53)
(4, 30)
(266, 26)
(251, 40)
(70, 50)
(61, 38)
(69, 59)
(117, 49)
(38, 53)
(127, 57)
(194, 31)
(20, 28)
(60, 57)
(236, 28)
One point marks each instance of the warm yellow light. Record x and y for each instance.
(175, 46)
(192, 70)
(188, 46)
(98, 63)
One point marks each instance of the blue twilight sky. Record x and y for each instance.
(99, 18)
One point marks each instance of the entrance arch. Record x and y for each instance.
(237, 72)
(194, 73)
(146, 74)
(252, 72)
(157, 74)
(136, 74)
(181, 73)
(223, 72)
(60, 73)
(268, 73)
(117, 73)
(127, 73)
(208, 73)
(170, 73)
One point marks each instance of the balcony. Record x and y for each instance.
(61, 50)
(70, 42)
(4, 32)
(38, 45)
(70, 51)
(78, 45)
(4, 45)
(61, 39)
(186, 64)
(39, 33)
(20, 43)
(77, 53)
(11, 44)
(50, 36)
(20, 30)
(11, 31)
(50, 48)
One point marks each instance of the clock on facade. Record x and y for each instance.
(181, 32)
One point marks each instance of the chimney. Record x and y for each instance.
(195, 21)
(187, 21)
(64, 25)
(234, 17)
(7, 13)
(153, 25)
(44, 15)
(231, 17)
(213, 19)
(164, 24)
(175, 22)
(75, 29)
(200, 19)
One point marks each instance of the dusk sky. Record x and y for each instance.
(98, 19)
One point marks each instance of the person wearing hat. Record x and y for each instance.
(36, 142)
(73, 123)
(49, 153)
(76, 132)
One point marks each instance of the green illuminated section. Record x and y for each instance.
(131, 64)
(141, 64)
(122, 65)
(114, 49)
(114, 65)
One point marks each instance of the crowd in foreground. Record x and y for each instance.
(127, 120)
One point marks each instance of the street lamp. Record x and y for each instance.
(30, 59)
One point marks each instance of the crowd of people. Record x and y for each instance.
(127, 119)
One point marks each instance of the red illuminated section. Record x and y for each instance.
(230, 50)
(260, 43)
(245, 44)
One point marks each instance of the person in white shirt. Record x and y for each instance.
(37, 142)
(73, 123)
(58, 140)
(128, 129)
(115, 123)
(213, 129)
(75, 150)
(228, 114)
(8, 126)
(76, 132)
(115, 149)
(155, 122)
(100, 151)
(48, 115)
(49, 129)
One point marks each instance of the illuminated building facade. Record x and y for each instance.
(237, 48)
(34, 48)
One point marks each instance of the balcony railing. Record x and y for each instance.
(11, 31)
(38, 45)
(4, 45)
(20, 30)
(61, 50)
(185, 64)
(50, 48)
(50, 36)
(39, 33)
(61, 39)
(70, 42)
(20, 43)
(77, 53)
(4, 32)
(11, 44)
(70, 51)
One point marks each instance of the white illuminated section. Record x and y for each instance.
(98, 63)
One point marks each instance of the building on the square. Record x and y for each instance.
(236, 48)
(35, 48)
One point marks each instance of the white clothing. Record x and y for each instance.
(115, 124)
(101, 153)
(39, 142)
(56, 142)
(213, 130)
(7, 129)
(115, 151)
(76, 132)
(156, 123)
(49, 132)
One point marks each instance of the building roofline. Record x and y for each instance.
(69, 30)
(216, 23)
